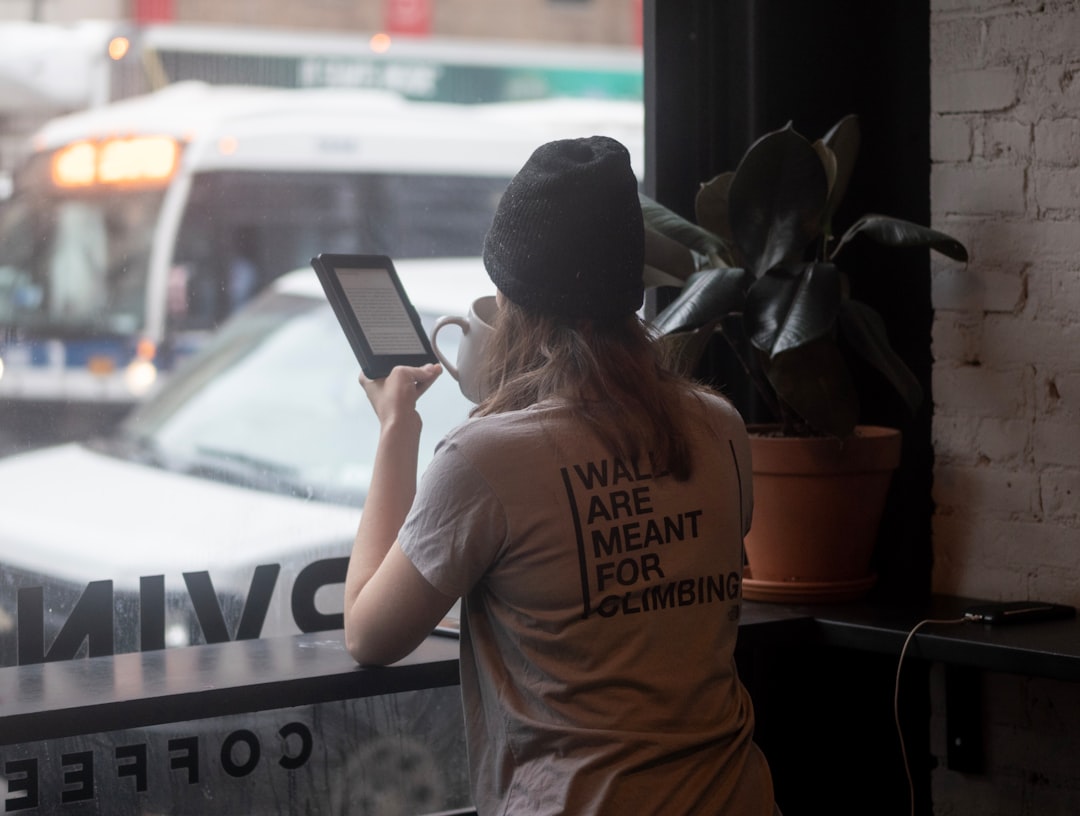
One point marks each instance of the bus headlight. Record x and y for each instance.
(139, 376)
(141, 372)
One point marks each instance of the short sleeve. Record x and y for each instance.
(456, 527)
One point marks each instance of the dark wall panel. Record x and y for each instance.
(717, 76)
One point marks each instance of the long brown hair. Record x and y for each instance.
(610, 372)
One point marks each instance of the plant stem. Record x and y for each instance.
(755, 376)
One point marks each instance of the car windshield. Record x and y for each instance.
(273, 403)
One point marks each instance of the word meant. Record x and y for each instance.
(240, 754)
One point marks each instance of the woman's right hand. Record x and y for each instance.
(394, 396)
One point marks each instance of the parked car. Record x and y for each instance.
(246, 470)
(224, 507)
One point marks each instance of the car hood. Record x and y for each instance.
(79, 515)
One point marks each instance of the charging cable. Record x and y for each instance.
(896, 697)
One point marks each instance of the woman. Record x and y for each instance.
(590, 514)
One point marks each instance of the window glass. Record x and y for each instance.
(184, 446)
(272, 404)
(257, 226)
(381, 756)
(76, 263)
(176, 397)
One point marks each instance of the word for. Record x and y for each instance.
(91, 618)
(240, 754)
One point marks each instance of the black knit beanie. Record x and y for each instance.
(568, 237)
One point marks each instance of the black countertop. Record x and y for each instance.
(51, 700)
(66, 698)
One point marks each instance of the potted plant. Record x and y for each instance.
(761, 267)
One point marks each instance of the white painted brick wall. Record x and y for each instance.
(1005, 179)
(1057, 188)
(1057, 142)
(979, 189)
(974, 391)
(951, 139)
(990, 89)
(985, 289)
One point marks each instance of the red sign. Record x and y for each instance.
(153, 11)
(408, 17)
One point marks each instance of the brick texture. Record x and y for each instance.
(1005, 140)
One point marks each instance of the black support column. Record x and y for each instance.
(719, 74)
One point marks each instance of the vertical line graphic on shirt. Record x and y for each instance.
(738, 477)
(582, 561)
(742, 520)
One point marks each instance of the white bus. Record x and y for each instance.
(137, 227)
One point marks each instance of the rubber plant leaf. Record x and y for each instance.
(792, 305)
(814, 382)
(671, 224)
(829, 164)
(707, 295)
(844, 140)
(864, 330)
(776, 200)
(667, 262)
(899, 233)
(684, 349)
(711, 206)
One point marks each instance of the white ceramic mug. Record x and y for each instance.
(475, 330)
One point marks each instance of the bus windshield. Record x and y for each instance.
(76, 264)
(243, 229)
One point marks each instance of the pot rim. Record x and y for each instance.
(871, 448)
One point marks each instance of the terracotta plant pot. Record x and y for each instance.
(817, 506)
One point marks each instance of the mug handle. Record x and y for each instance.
(446, 320)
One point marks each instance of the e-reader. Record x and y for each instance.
(370, 302)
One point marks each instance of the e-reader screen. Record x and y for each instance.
(370, 302)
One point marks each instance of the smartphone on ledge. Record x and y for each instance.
(1012, 612)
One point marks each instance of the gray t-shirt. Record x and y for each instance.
(601, 606)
